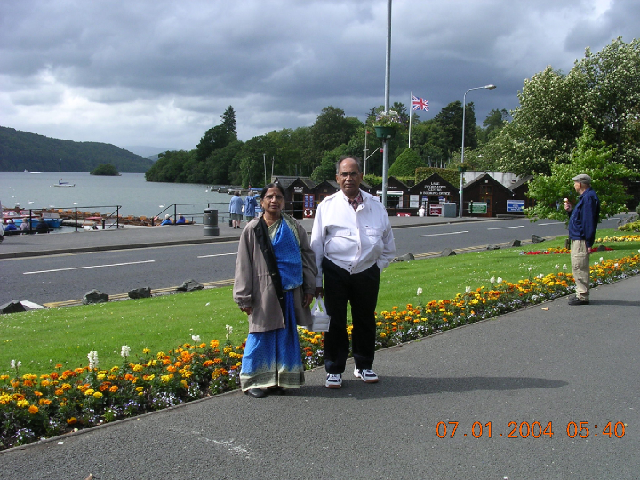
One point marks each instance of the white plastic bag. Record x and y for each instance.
(321, 320)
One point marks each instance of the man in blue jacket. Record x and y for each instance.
(582, 233)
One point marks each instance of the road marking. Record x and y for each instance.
(519, 226)
(94, 266)
(551, 223)
(120, 264)
(47, 271)
(494, 228)
(440, 234)
(217, 255)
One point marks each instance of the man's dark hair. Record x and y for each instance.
(344, 157)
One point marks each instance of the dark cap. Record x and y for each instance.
(582, 178)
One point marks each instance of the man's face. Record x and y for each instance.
(349, 178)
(577, 186)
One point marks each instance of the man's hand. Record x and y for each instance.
(567, 205)
(306, 300)
(319, 292)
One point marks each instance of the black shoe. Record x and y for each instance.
(277, 390)
(256, 393)
(577, 301)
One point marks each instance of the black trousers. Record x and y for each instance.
(360, 290)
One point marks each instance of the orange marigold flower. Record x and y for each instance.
(33, 409)
(72, 421)
(113, 388)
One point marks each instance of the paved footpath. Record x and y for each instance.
(549, 363)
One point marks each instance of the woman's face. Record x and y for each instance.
(273, 201)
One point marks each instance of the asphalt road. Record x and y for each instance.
(64, 277)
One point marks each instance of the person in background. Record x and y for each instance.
(235, 210)
(181, 220)
(10, 226)
(167, 220)
(250, 205)
(274, 285)
(582, 233)
(352, 241)
(2, 222)
(24, 226)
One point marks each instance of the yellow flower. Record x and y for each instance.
(88, 392)
(145, 350)
(97, 395)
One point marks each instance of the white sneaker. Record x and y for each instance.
(334, 380)
(366, 374)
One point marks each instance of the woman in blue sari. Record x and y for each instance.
(274, 285)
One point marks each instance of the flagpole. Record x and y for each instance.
(410, 116)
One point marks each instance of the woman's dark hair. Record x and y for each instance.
(266, 188)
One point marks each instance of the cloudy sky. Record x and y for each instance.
(161, 72)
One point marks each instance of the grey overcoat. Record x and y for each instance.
(254, 286)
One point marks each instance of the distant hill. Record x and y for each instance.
(147, 152)
(21, 151)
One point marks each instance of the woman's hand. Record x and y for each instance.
(247, 310)
(306, 300)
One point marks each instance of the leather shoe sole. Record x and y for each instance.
(576, 301)
(256, 393)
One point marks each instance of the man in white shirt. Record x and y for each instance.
(353, 242)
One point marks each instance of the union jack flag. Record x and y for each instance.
(419, 103)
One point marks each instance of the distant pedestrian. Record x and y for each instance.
(10, 227)
(582, 233)
(235, 210)
(250, 205)
(167, 220)
(181, 220)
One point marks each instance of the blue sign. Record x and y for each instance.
(515, 206)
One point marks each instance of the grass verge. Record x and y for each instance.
(40, 339)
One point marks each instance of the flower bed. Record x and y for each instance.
(564, 250)
(32, 407)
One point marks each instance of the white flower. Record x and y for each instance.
(229, 331)
(492, 280)
(419, 292)
(564, 267)
(196, 338)
(499, 279)
(207, 304)
(530, 268)
(15, 364)
(541, 276)
(557, 266)
(602, 259)
(124, 353)
(467, 289)
(93, 359)
(616, 265)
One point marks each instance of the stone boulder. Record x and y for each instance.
(142, 292)
(190, 286)
(447, 252)
(536, 239)
(94, 296)
(515, 243)
(493, 247)
(13, 306)
(407, 257)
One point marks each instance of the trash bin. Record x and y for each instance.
(210, 222)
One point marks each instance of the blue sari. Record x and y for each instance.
(273, 358)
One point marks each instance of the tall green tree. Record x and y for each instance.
(331, 129)
(450, 121)
(592, 157)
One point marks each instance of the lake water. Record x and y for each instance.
(131, 190)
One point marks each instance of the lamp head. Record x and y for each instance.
(490, 86)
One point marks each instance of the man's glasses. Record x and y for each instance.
(349, 174)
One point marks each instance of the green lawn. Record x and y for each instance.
(39, 339)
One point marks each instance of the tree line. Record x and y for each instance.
(581, 120)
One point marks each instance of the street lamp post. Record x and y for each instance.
(464, 105)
